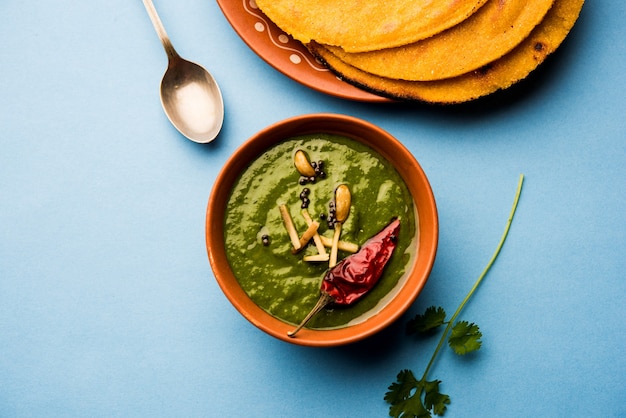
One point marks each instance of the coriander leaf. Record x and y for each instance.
(465, 337)
(405, 384)
(405, 397)
(432, 318)
(434, 399)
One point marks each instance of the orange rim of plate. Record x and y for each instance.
(285, 54)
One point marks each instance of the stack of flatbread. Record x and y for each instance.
(438, 51)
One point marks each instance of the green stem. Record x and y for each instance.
(480, 278)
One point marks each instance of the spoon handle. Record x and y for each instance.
(160, 29)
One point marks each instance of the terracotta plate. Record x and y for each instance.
(286, 55)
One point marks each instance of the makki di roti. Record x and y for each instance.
(500, 74)
(495, 29)
(358, 26)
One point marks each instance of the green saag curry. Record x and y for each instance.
(259, 249)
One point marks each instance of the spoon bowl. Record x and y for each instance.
(190, 95)
(192, 100)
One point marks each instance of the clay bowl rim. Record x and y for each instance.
(359, 130)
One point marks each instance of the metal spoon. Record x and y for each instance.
(190, 95)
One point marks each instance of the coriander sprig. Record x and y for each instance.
(409, 397)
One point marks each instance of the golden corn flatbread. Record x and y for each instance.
(495, 29)
(358, 26)
(500, 74)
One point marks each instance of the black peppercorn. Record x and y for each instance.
(265, 239)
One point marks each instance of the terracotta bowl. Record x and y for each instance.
(360, 131)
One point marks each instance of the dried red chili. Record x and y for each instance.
(358, 273)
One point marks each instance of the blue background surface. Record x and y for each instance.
(108, 305)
